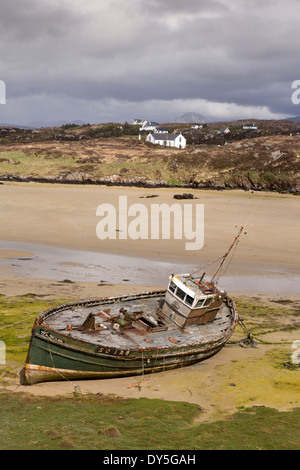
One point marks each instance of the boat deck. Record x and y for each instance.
(68, 320)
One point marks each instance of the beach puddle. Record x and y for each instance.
(61, 264)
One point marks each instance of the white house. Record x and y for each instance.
(149, 126)
(250, 126)
(168, 140)
(139, 122)
(225, 130)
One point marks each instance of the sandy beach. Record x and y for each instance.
(65, 216)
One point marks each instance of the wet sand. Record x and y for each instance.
(49, 289)
(34, 261)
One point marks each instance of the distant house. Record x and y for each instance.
(139, 122)
(168, 140)
(250, 126)
(196, 126)
(225, 130)
(161, 130)
(149, 126)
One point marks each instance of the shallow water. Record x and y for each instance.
(84, 266)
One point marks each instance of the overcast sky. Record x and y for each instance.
(116, 60)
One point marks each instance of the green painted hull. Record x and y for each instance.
(54, 356)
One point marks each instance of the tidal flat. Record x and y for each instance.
(247, 397)
(236, 378)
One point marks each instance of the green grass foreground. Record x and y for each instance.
(101, 423)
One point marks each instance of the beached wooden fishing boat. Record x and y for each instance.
(133, 334)
(93, 339)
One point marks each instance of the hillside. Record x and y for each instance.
(265, 159)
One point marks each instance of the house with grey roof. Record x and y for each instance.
(168, 140)
(224, 130)
(149, 126)
(139, 122)
(161, 130)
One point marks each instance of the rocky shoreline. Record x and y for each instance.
(243, 183)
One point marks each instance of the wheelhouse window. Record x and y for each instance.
(203, 302)
(207, 302)
(189, 300)
(180, 293)
(172, 287)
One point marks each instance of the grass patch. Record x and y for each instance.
(53, 163)
(101, 423)
(26, 164)
(264, 318)
(16, 321)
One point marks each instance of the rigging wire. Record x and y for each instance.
(209, 264)
(253, 210)
(228, 264)
(245, 227)
(235, 241)
(17, 322)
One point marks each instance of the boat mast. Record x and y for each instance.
(227, 253)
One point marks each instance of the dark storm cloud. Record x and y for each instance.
(28, 20)
(143, 51)
(187, 6)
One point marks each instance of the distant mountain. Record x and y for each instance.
(17, 126)
(190, 118)
(294, 118)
